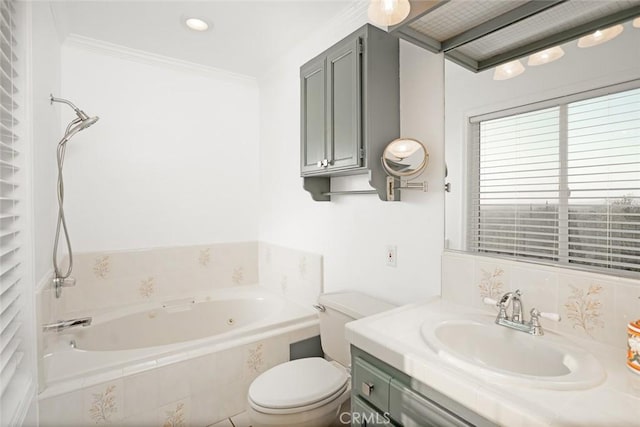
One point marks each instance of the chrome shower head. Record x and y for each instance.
(82, 122)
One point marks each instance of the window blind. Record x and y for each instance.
(561, 183)
(12, 378)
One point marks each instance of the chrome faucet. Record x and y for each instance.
(61, 325)
(516, 320)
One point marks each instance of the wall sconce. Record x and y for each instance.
(508, 70)
(600, 36)
(388, 12)
(546, 56)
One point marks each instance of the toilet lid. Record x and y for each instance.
(297, 383)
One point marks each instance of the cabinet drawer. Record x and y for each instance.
(411, 409)
(371, 384)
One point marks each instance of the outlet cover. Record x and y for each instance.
(392, 256)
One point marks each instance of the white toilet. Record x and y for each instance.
(309, 392)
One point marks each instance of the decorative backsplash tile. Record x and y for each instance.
(583, 308)
(103, 403)
(102, 266)
(146, 287)
(205, 257)
(175, 415)
(113, 279)
(592, 306)
(293, 273)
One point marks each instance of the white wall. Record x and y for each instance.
(351, 232)
(46, 132)
(468, 94)
(174, 158)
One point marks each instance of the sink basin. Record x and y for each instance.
(482, 348)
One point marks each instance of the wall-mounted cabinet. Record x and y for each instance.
(350, 110)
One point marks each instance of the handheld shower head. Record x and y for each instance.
(82, 122)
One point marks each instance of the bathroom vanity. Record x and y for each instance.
(383, 395)
(399, 378)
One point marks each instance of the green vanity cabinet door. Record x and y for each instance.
(344, 138)
(364, 415)
(313, 116)
(410, 409)
(371, 384)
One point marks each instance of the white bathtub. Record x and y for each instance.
(149, 336)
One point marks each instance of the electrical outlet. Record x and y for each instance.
(392, 256)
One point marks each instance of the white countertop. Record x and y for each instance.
(394, 337)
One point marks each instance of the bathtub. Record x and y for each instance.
(239, 324)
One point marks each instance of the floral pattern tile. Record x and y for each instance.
(255, 358)
(175, 417)
(584, 308)
(587, 308)
(102, 266)
(238, 275)
(204, 258)
(103, 408)
(491, 283)
(146, 288)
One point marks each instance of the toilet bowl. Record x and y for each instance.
(303, 392)
(309, 392)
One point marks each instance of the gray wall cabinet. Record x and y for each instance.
(350, 110)
(382, 395)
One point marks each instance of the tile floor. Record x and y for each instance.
(242, 419)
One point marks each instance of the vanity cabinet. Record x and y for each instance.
(349, 107)
(382, 395)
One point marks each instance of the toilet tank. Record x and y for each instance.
(341, 308)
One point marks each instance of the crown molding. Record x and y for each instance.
(145, 57)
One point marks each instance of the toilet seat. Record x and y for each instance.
(297, 386)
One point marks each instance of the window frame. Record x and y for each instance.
(473, 178)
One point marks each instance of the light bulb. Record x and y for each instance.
(546, 56)
(197, 24)
(600, 36)
(508, 70)
(388, 12)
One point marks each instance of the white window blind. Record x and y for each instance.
(12, 376)
(561, 183)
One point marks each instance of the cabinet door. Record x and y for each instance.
(344, 110)
(363, 415)
(313, 111)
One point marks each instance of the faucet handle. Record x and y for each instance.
(551, 316)
(489, 301)
(535, 314)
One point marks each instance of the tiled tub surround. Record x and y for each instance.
(592, 306)
(110, 279)
(195, 382)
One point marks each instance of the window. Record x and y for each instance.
(560, 181)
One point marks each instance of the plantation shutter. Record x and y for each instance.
(14, 375)
(560, 183)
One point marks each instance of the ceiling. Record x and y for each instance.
(247, 36)
(480, 34)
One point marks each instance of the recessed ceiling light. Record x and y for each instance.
(636, 22)
(197, 24)
(388, 12)
(600, 36)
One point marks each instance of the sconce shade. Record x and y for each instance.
(546, 56)
(388, 12)
(508, 70)
(600, 36)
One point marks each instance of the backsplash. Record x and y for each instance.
(295, 274)
(112, 279)
(592, 306)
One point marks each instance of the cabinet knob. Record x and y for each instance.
(367, 388)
